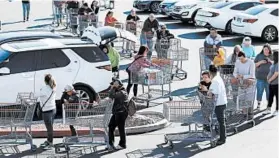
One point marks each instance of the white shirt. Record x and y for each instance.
(217, 87)
(45, 93)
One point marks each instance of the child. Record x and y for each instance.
(219, 59)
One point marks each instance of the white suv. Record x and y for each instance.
(185, 10)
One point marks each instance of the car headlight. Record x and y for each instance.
(189, 6)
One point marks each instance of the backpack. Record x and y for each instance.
(131, 107)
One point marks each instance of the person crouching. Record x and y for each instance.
(119, 114)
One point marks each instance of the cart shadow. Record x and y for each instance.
(44, 19)
(26, 153)
(179, 150)
(255, 41)
(202, 35)
(187, 92)
(39, 26)
(180, 25)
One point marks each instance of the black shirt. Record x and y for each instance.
(134, 18)
(71, 99)
(207, 85)
(81, 11)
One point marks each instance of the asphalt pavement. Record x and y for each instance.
(257, 142)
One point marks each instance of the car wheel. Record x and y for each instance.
(270, 33)
(154, 7)
(228, 28)
(84, 93)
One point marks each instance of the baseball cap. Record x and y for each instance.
(68, 88)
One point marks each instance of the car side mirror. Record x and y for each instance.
(5, 70)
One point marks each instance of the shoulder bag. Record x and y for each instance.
(40, 109)
(127, 69)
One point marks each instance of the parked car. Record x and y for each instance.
(263, 17)
(220, 15)
(147, 5)
(167, 6)
(186, 11)
(72, 61)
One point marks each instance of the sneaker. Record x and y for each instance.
(119, 147)
(46, 145)
(275, 113)
(220, 142)
(267, 111)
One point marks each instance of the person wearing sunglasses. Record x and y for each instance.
(163, 36)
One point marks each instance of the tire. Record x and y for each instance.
(85, 93)
(154, 7)
(228, 28)
(270, 34)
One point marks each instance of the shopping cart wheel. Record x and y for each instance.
(170, 98)
(33, 147)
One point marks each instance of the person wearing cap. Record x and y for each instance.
(213, 40)
(248, 48)
(119, 114)
(70, 96)
(150, 26)
(217, 89)
(164, 34)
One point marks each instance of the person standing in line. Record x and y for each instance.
(272, 79)
(263, 63)
(119, 114)
(234, 56)
(217, 89)
(131, 21)
(95, 8)
(114, 58)
(248, 48)
(26, 9)
(47, 103)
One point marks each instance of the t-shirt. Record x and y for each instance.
(246, 69)
(217, 87)
(25, 1)
(134, 18)
(273, 69)
(263, 70)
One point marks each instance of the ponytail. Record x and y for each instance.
(49, 80)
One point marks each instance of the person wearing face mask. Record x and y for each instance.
(263, 63)
(150, 26)
(234, 56)
(248, 48)
(213, 40)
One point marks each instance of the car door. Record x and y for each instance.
(62, 64)
(21, 78)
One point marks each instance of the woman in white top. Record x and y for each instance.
(47, 103)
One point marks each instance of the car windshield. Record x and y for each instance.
(255, 10)
(4, 55)
(221, 5)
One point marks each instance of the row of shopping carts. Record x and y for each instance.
(83, 114)
(199, 111)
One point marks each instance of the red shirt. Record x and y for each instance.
(109, 21)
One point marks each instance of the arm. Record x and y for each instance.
(258, 63)
(251, 72)
(235, 71)
(274, 76)
(169, 34)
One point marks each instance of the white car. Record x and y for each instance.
(264, 18)
(167, 6)
(220, 15)
(72, 61)
(185, 10)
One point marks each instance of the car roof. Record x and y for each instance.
(271, 6)
(46, 43)
(26, 34)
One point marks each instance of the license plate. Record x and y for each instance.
(238, 20)
(200, 23)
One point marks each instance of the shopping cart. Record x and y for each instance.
(19, 114)
(91, 116)
(206, 57)
(134, 27)
(240, 105)
(73, 20)
(194, 115)
(154, 76)
(87, 20)
(60, 13)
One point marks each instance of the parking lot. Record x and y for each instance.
(259, 141)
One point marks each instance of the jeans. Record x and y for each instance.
(135, 89)
(48, 117)
(220, 114)
(261, 86)
(148, 43)
(118, 120)
(26, 10)
(273, 91)
(58, 14)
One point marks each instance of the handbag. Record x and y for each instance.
(127, 69)
(40, 109)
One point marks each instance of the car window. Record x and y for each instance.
(53, 58)
(274, 12)
(244, 6)
(220, 5)
(91, 54)
(20, 62)
(255, 10)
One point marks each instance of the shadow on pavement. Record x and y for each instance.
(189, 92)
(10, 23)
(166, 19)
(43, 19)
(238, 40)
(38, 26)
(138, 13)
(28, 153)
(180, 25)
(202, 35)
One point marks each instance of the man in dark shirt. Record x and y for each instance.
(84, 10)
(70, 96)
(26, 9)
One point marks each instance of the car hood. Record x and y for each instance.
(190, 2)
(107, 33)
